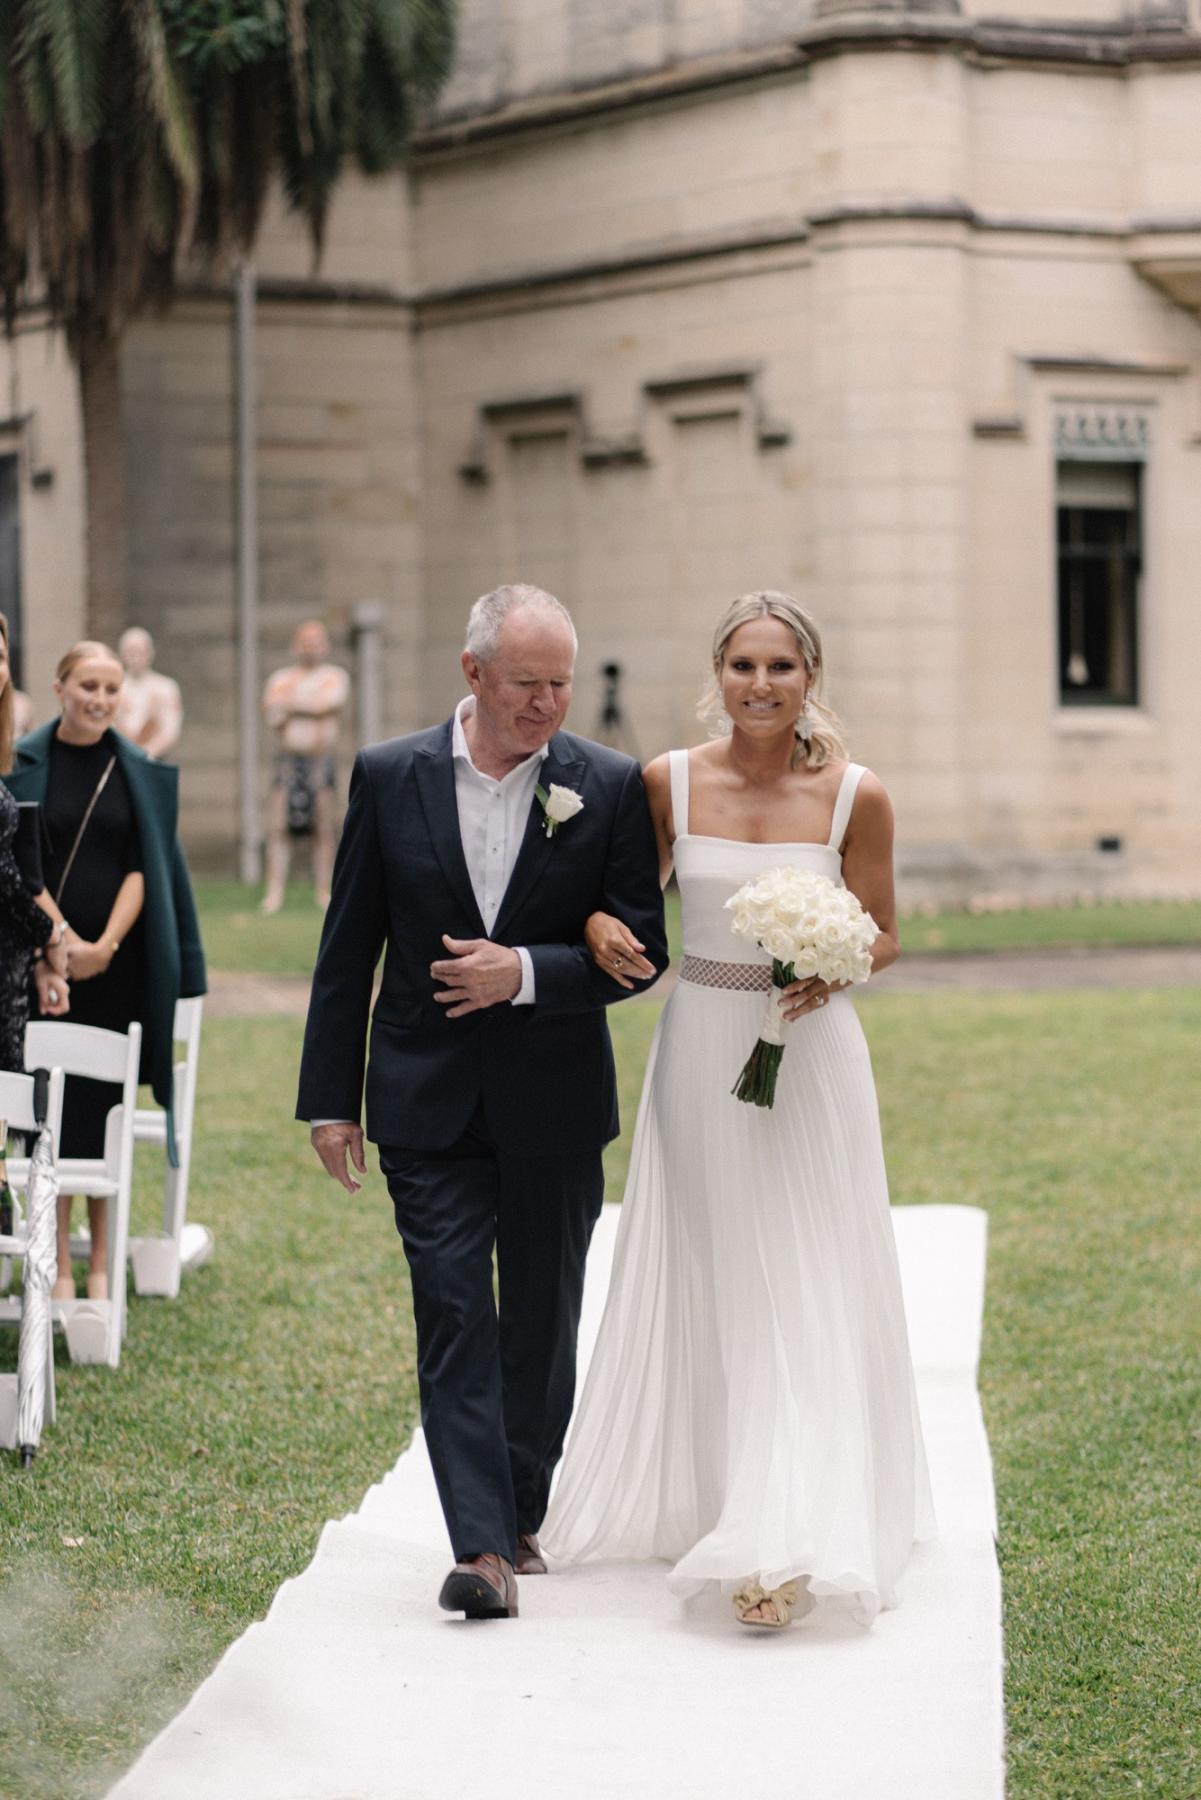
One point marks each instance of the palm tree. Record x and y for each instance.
(141, 137)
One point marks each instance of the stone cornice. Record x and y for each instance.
(539, 112)
(1114, 47)
(757, 239)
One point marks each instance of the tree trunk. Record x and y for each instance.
(104, 472)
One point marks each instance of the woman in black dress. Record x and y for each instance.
(117, 871)
(94, 873)
(29, 924)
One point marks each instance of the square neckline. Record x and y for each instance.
(678, 762)
(708, 837)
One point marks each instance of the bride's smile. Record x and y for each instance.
(763, 679)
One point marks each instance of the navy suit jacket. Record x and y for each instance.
(544, 1073)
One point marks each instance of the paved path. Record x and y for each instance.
(1133, 966)
(1094, 966)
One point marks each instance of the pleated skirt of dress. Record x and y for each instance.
(750, 1410)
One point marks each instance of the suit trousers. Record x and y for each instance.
(496, 1369)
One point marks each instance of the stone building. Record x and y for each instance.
(896, 307)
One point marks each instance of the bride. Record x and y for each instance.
(750, 1412)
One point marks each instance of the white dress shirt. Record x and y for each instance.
(492, 821)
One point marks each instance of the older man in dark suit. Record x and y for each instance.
(473, 853)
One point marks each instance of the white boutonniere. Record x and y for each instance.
(559, 805)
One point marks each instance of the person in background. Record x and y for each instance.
(116, 871)
(302, 704)
(32, 934)
(150, 710)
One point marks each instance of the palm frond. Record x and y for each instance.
(165, 90)
(137, 133)
(418, 39)
(73, 33)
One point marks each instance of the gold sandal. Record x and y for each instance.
(779, 1600)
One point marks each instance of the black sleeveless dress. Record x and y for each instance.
(109, 850)
(24, 928)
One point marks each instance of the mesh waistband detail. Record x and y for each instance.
(747, 978)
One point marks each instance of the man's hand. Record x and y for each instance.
(331, 1142)
(479, 974)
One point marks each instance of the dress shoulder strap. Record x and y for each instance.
(852, 775)
(677, 762)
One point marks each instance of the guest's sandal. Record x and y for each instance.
(772, 1605)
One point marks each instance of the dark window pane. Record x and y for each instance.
(1099, 558)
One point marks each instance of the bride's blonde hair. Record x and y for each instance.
(826, 740)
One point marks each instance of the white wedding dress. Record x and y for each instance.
(750, 1410)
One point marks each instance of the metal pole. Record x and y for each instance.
(367, 619)
(250, 843)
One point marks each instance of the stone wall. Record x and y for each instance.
(806, 320)
(510, 49)
(40, 425)
(812, 331)
(338, 481)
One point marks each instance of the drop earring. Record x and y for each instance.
(804, 724)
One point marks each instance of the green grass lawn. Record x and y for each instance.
(238, 938)
(174, 1495)
(1108, 923)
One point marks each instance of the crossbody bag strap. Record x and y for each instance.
(83, 825)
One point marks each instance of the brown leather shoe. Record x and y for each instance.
(530, 1560)
(482, 1587)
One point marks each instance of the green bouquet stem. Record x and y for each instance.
(757, 1083)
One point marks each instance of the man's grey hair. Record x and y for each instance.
(491, 610)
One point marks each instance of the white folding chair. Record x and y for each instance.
(16, 1106)
(94, 1328)
(159, 1260)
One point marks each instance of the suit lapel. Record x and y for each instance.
(537, 848)
(434, 770)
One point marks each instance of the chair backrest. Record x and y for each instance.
(188, 1015)
(84, 1050)
(17, 1104)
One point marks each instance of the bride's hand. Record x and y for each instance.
(616, 951)
(801, 997)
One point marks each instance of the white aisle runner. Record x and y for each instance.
(355, 1686)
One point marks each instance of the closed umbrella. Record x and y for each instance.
(35, 1367)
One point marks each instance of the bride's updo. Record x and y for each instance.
(823, 739)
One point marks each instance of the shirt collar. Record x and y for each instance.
(460, 752)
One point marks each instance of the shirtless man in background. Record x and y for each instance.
(303, 703)
(150, 711)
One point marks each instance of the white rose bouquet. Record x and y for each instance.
(810, 926)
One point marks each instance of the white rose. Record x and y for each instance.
(562, 804)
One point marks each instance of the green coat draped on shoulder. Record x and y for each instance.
(171, 932)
